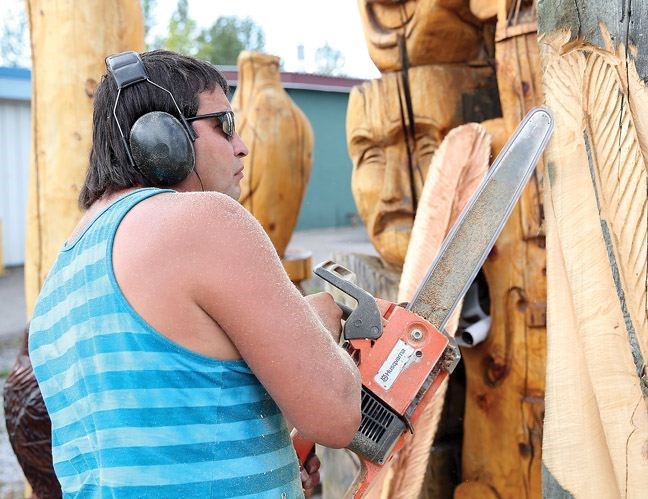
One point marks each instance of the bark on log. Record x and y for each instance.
(69, 40)
(594, 56)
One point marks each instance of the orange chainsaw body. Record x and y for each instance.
(402, 368)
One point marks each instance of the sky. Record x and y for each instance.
(287, 24)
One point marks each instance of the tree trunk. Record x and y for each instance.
(594, 57)
(70, 40)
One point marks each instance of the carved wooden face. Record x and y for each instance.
(381, 181)
(435, 31)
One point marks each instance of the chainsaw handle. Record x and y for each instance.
(367, 473)
(303, 447)
(365, 320)
(346, 310)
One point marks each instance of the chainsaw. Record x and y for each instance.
(402, 350)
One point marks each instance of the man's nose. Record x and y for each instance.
(396, 184)
(240, 148)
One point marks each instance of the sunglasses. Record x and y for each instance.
(225, 118)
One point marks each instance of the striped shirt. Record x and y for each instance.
(135, 414)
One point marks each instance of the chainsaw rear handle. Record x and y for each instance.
(303, 447)
(368, 470)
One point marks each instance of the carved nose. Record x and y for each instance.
(396, 182)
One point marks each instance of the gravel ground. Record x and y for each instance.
(12, 311)
(12, 483)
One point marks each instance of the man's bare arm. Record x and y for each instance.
(241, 284)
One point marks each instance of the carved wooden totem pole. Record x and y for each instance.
(277, 169)
(505, 375)
(66, 70)
(594, 59)
(434, 61)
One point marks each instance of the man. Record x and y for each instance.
(167, 340)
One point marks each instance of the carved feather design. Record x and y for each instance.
(562, 86)
(596, 250)
(621, 183)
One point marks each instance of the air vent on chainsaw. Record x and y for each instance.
(379, 429)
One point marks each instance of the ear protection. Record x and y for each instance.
(159, 145)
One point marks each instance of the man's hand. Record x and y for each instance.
(310, 476)
(329, 314)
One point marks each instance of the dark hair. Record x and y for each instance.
(185, 77)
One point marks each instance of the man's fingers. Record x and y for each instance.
(309, 480)
(313, 464)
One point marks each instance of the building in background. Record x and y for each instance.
(328, 201)
(15, 137)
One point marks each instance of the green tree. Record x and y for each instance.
(182, 31)
(227, 37)
(329, 61)
(148, 7)
(14, 40)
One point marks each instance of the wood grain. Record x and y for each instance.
(65, 72)
(596, 424)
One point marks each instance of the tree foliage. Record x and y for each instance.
(329, 61)
(14, 40)
(220, 43)
(227, 37)
(148, 7)
(181, 34)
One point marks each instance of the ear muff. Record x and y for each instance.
(161, 148)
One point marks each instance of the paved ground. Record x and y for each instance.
(321, 242)
(12, 312)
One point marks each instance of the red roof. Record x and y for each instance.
(304, 81)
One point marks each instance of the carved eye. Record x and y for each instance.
(372, 155)
(425, 146)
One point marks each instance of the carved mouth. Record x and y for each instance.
(401, 219)
(388, 19)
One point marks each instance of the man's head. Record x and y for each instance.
(192, 83)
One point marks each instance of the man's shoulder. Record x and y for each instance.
(196, 206)
(191, 214)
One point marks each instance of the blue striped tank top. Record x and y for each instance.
(135, 414)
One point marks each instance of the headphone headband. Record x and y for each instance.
(161, 146)
(126, 68)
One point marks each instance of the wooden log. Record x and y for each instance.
(484, 10)
(432, 31)
(594, 57)
(280, 140)
(66, 69)
(505, 374)
(389, 162)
